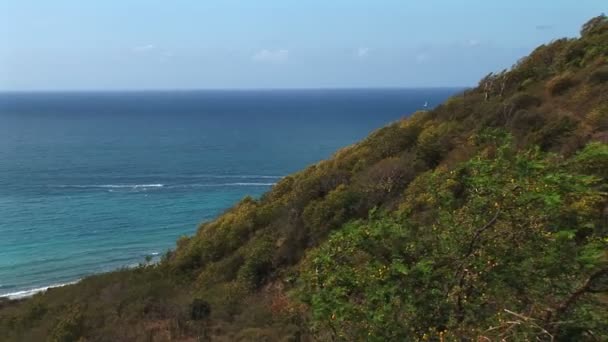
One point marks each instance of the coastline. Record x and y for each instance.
(22, 294)
(30, 292)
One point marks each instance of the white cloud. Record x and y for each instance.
(362, 52)
(144, 48)
(271, 56)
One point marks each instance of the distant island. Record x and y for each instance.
(485, 218)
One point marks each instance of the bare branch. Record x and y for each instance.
(563, 307)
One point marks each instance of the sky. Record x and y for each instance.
(226, 44)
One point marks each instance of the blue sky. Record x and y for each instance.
(180, 44)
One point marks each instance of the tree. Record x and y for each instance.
(594, 25)
(505, 236)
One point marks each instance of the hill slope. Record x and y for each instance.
(485, 217)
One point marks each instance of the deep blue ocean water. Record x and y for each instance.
(90, 182)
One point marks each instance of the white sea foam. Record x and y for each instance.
(243, 176)
(227, 184)
(250, 184)
(31, 292)
(112, 186)
(198, 175)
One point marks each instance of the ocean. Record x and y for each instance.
(95, 181)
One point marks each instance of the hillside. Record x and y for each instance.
(485, 218)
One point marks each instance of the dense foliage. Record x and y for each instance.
(496, 249)
(484, 218)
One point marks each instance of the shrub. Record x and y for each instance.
(34, 312)
(69, 327)
(527, 82)
(328, 213)
(593, 159)
(524, 100)
(391, 139)
(258, 261)
(504, 229)
(559, 84)
(435, 141)
(538, 64)
(199, 309)
(257, 334)
(220, 271)
(571, 56)
(526, 121)
(598, 118)
(554, 131)
(386, 176)
(599, 76)
(595, 25)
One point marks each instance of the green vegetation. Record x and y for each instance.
(502, 236)
(485, 218)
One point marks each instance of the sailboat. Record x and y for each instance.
(426, 104)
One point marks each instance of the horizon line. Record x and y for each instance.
(134, 90)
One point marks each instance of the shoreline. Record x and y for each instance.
(17, 295)
(22, 294)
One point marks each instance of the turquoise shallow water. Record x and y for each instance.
(91, 182)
